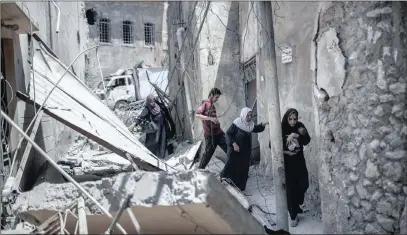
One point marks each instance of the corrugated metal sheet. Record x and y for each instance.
(75, 105)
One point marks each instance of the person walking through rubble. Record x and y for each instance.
(159, 124)
(214, 136)
(239, 139)
(295, 137)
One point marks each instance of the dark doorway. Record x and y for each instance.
(250, 82)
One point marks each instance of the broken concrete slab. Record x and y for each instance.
(184, 156)
(194, 202)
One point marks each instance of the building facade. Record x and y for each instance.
(62, 27)
(128, 33)
(340, 65)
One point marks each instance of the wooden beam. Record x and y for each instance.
(27, 150)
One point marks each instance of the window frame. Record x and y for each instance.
(152, 36)
(108, 23)
(130, 24)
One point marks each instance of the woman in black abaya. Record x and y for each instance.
(239, 140)
(295, 137)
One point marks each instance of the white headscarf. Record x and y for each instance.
(241, 122)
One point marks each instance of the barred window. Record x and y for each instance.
(104, 30)
(249, 69)
(149, 34)
(128, 32)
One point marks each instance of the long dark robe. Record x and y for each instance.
(296, 173)
(238, 163)
(157, 142)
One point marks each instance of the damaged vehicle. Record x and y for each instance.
(120, 89)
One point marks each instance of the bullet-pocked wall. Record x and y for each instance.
(360, 57)
(215, 62)
(52, 136)
(134, 32)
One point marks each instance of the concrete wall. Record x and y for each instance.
(293, 26)
(361, 64)
(220, 37)
(52, 136)
(116, 55)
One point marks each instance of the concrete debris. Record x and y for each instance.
(184, 155)
(86, 157)
(130, 112)
(194, 202)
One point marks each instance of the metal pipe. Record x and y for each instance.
(58, 16)
(59, 169)
(101, 75)
(134, 220)
(119, 214)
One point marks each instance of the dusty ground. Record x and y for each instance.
(260, 191)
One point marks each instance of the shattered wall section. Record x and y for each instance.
(363, 125)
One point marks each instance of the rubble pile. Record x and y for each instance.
(188, 199)
(130, 112)
(86, 157)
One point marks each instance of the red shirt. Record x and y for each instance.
(207, 108)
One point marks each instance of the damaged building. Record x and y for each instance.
(132, 34)
(340, 64)
(73, 163)
(59, 25)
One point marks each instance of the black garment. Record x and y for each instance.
(237, 166)
(157, 142)
(296, 173)
(211, 142)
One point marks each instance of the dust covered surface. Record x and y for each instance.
(150, 188)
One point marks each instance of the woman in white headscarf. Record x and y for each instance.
(239, 140)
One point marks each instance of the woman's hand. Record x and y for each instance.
(236, 147)
(290, 138)
(265, 124)
(290, 153)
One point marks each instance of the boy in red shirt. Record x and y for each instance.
(214, 136)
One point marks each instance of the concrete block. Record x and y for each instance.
(181, 203)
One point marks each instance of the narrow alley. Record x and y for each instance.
(187, 117)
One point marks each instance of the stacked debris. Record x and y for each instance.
(130, 112)
(87, 158)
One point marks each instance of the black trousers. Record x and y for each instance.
(211, 142)
(296, 178)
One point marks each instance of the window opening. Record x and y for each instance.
(128, 32)
(149, 34)
(104, 30)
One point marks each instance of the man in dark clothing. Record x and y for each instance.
(214, 136)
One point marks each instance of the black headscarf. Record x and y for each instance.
(285, 127)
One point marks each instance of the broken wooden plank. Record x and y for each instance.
(27, 151)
